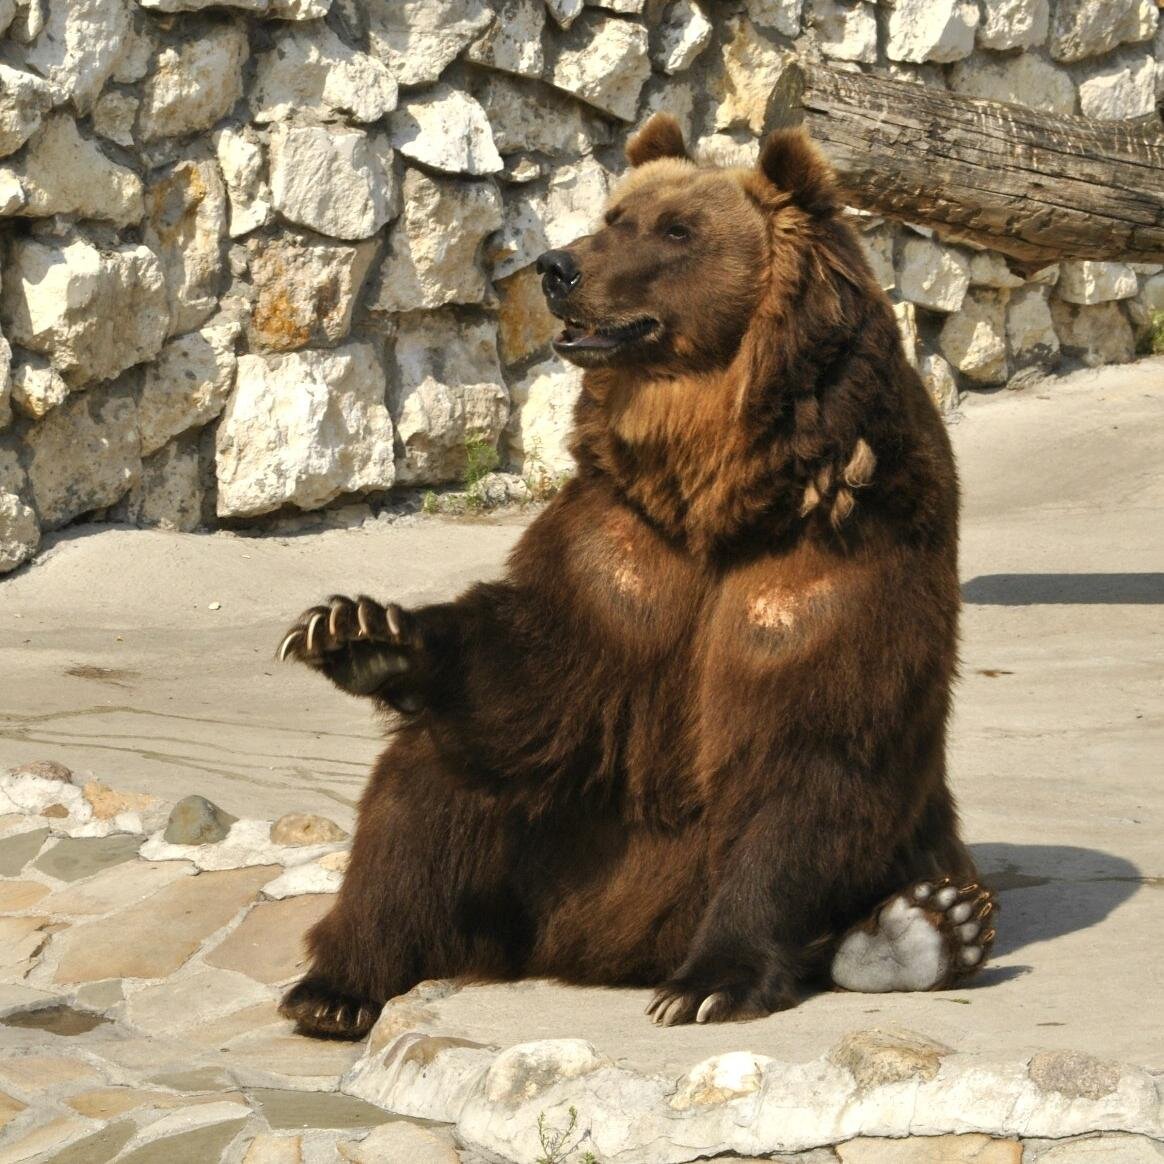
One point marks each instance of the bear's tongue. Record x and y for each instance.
(586, 337)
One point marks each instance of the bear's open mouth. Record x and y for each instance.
(577, 336)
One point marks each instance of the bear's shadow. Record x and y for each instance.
(1046, 891)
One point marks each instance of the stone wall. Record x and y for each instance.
(271, 256)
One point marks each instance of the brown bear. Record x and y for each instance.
(694, 738)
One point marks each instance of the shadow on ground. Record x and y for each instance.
(1049, 890)
(1064, 589)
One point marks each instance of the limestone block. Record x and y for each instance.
(418, 39)
(1084, 281)
(1086, 28)
(564, 12)
(683, 33)
(19, 532)
(933, 275)
(940, 382)
(989, 269)
(84, 455)
(336, 181)
(972, 1148)
(256, 6)
(114, 117)
(170, 493)
(306, 290)
(525, 325)
(240, 157)
(1097, 334)
(1030, 330)
(781, 15)
(751, 68)
(37, 387)
(906, 316)
(524, 115)
(12, 196)
(433, 249)
(845, 29)
(24, 100)
(302, 428)
(63, 173)
(513, 42)
(1152, 292)
(974, 338)
(186, 228)
(309, 70)
(878, 247)
(1126, 88)
(1023, 80)
(79, 46)
(195, 85)
(1008, 24)
(932, 30)
(446, 129)
(603, 61)
(448, 393)
(543, 414)
(187, 386)
(535, 222)
(92, 312)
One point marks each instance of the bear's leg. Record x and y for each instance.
(926, 937)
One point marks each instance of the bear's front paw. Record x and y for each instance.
(321, 1011)
(361, 646)
(710, 997)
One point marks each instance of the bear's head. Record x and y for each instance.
(687, 254)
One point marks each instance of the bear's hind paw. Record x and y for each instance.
(323, 1012)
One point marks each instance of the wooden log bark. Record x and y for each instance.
(1036, 186)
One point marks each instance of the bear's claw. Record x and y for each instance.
(321, 1011)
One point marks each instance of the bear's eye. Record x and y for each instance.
(677, 231)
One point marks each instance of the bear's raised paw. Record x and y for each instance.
(926, 938)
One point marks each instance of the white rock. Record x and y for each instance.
(845, 29)
(1097, 334)
(248, 843)
(1030, 329)
(114, 117)
(7, 14)
(683, 33)
(542, 417)
(1023, 80)
(418, 39)
(1152, 293)
(29, 793)
(938, 378)
(448, 130)
(335, 181)
(565, 12)
(603, 61)
(240, 157)
(974, 338)
(306, 290)
(259, 6)
(310, 878)
(24, 100)
(448, 393)
(906, 316)
(63, 173)
(525, 116)
(534, 223)
(719, 1079)
(933, 275)
(1123, 89)
(186, 227)
(932, 30)
(19, 532)
(309, 70)
(513, 42)
(37, 387)
(751, 68)
(782, 15)
(80, 46)
(84, 455)
(989, 269)
(1084, 281)
(433, 249)
(1010, 24)
(299, 9)
(302, 428)
(92, 312)
(187, 385)
(170, 493)
(195, 85)
(522, 1072)
(1086, 28)
(878, 247)
(12, 196)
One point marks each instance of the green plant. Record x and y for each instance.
(1152, 339)
(430, 503)
(480, 460)
(557, 1144)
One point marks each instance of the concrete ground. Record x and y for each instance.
(113, 661)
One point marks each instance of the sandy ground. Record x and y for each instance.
(113, 661)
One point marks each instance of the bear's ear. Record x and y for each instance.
(661, 137)
(790, 161)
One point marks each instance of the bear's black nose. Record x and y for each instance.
(559, 272)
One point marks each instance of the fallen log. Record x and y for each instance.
(1036, 186)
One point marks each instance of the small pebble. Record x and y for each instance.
(305, 828)
(215, 606)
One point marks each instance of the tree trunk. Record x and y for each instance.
(1037, 186)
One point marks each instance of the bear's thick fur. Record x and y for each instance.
(696, 734)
